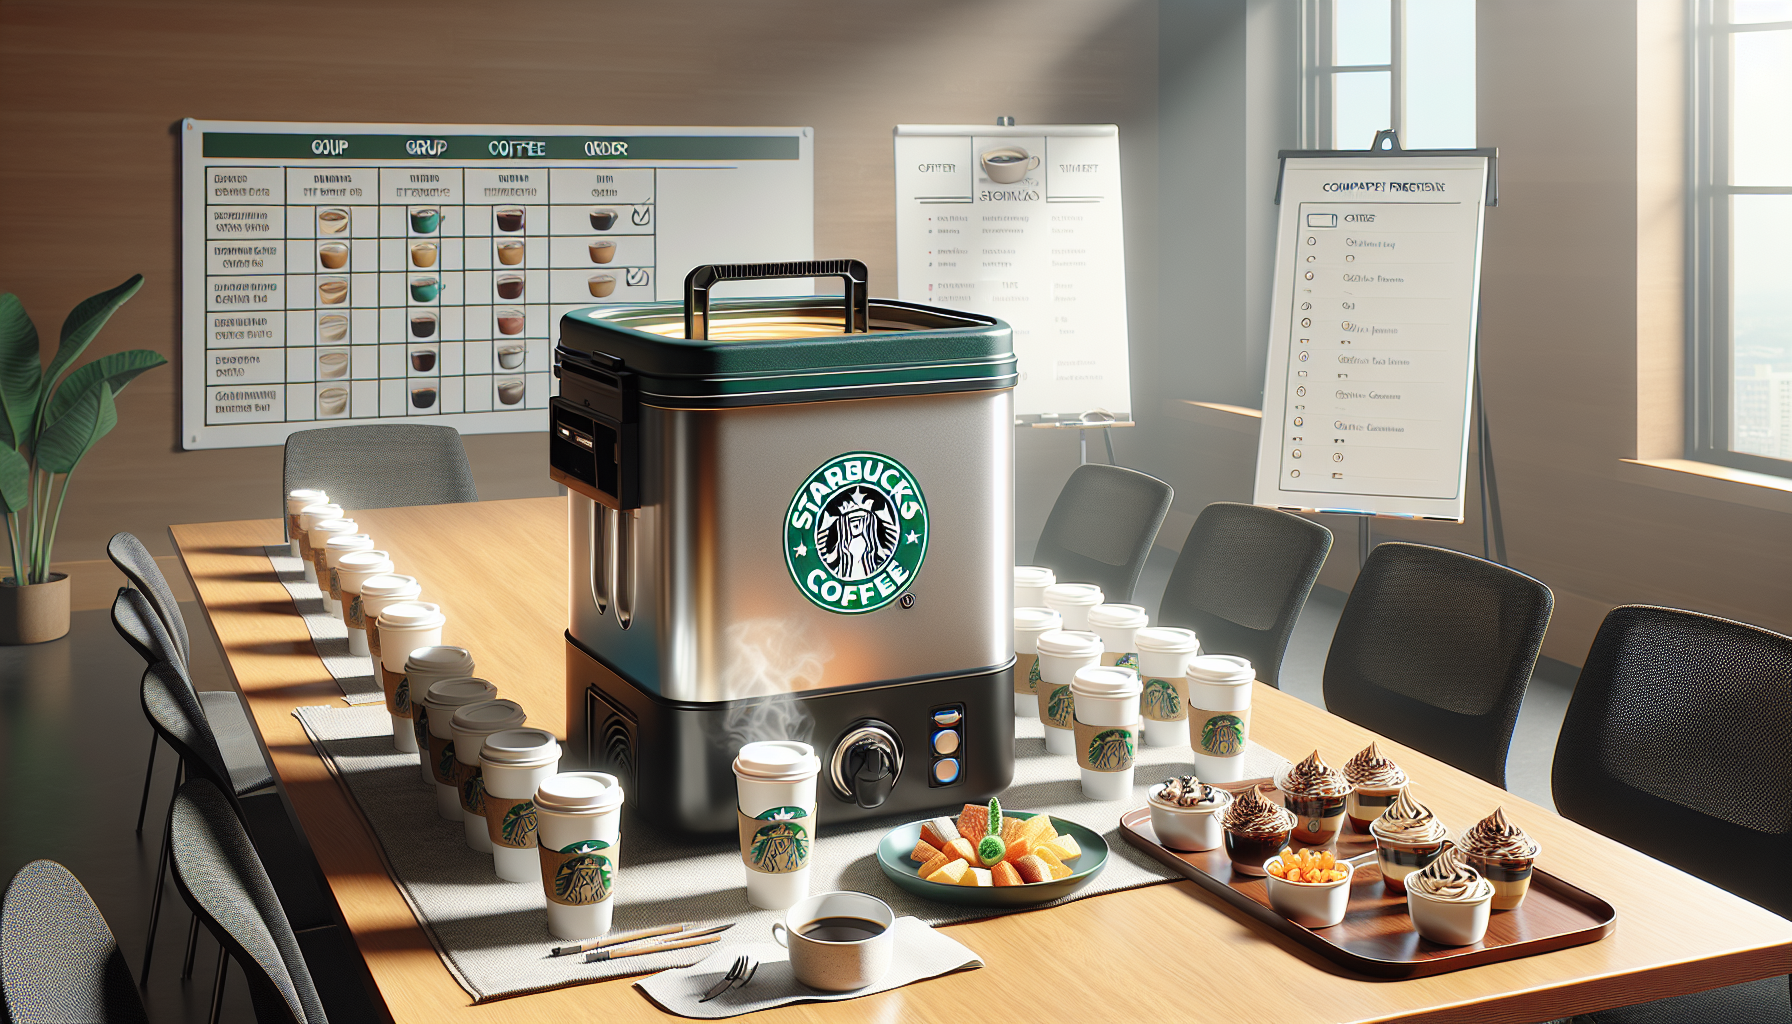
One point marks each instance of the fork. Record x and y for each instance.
(738, 973)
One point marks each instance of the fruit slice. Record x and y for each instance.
(1065, 847)
(1061, 871)
(973, 822)
(1027, 835)
(938, 832)
(1044, 853)
(951, 874)
(1032, 869)
(963, 849)
(978, 877)
(924, 852)
(938, 861)
(1004, 874)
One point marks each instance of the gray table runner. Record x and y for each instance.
(352, 672)
(492, 934)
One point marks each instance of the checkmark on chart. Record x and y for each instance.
(637, 278)
(642, 216)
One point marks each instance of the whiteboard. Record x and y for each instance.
(376, 273)
(1023, 222)
(1372, 335)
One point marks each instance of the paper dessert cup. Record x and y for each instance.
(1510, 876)
(1399, 859)
(1190, 829)
(1449, 923)
(1365, 804)
(1312, 904)
(514, 763)
(578, 819)
(776, 816)
(471, 724)
(1029, 625)
(1249, 852)
(1062, 653)
(1106, 729)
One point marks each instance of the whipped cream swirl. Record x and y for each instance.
(1188, 791)
(1250, 814)
(1407, 821)
(1371, 769)
(1495, 837)
(1313, 777)
(1449, 879)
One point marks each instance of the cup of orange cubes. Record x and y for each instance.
(1310, 888)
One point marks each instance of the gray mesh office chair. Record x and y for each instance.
(385, 465)
(1675, 744)
(1102, 527)
(1435, 649)
(1242, 578)
(139, 566)
(222, 880)
(59, 962)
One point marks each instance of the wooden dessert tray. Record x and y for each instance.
(1376, 936)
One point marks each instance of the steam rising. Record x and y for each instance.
(769, 659)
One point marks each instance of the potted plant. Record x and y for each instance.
(48, 422)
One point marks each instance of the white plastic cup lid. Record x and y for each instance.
(1069, 643)
(579, 793)
(777, 761)
(365, 559)
(412, 615)
(1030, 622)
(1220, 668)
(488, 716)
(1118, 616)
(1106, 681)
(388, 584)
(322, 510)
(347, 541)
(453, 693)
(521, 747)
(1034, 576)
(1072, 595)
(1156, 639)
(456, 660)
(327, 527)
(297, 500)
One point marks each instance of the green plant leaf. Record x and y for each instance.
(117, 370)
(63, 443)
(21, 371)
(15, 481)
(83, 323)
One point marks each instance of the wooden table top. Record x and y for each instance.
(498, 569)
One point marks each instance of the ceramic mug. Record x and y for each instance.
(833, 965)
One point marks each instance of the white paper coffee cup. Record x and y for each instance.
(1164, 652)
(578, 831)
(309, 518)
(334, 548)
(351, 571)
(1029, 625)
(1074, 601)
(423, 668)
(1062, 652)
(1107, 724)
(405, 626)
(1116, 624)
(1219, 715)
(377, 594)
(775, 787)
(296, 500)
(440, 701)
(471, 724)
(515, 763)
(1030, 582)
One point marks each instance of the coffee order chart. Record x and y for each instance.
(364, 273)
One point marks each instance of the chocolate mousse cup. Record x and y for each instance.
(1399, 859)
(1318, 819)
(1365, 804)
(1511, 876)
(1249, 851)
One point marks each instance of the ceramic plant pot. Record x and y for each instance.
(34, 614)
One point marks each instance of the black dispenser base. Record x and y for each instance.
(676, 758)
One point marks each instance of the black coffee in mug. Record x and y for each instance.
(423, 362)
(1006, 158)
(423, 326)
(840, 929)
(423, 398)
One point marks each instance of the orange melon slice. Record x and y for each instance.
(1004, 874)
(951, 874)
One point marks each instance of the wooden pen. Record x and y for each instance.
(613, 954)
(611, 940)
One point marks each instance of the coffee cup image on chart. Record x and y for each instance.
(1006, 165)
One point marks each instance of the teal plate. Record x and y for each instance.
(899, 842)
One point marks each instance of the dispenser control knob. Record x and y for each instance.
(866, 763)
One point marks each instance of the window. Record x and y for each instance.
(1375, 64)
(1741, 300)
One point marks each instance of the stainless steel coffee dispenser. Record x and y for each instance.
(790, 518)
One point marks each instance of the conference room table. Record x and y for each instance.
(1164, 952)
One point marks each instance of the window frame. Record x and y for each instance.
(1710, 287)
(1318, 95)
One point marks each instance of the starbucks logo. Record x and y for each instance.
(1033, 677)
(1162, 699)
(586, 877)
(856, 532)
(1111, 750)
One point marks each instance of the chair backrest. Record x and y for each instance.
(1434, 649)
(1242, 578)
(139, 566)
(222, 880)
(383, 465)
(59, 963)
(134, 617)
(1676, 743)
(1102, 527)
(173, 709)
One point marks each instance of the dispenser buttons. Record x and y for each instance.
(945, 771)
(946, 717)
(945, 741)
(946, 744)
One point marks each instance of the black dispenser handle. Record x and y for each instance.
(699, 281)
